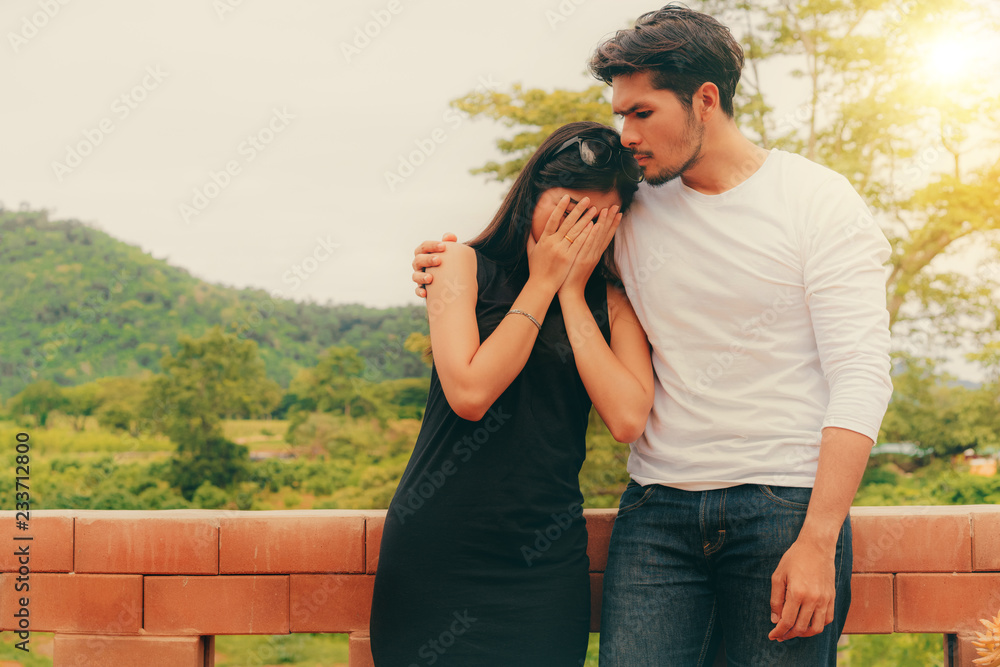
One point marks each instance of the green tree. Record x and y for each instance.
(421, 344)
(82, 401)
(402, 399)
(38, 400)
(211, 378)
(931, 410)
(335, 384)
(880, 110)
(121, 403)
(78, 303)
(536, 113)
(870, 111)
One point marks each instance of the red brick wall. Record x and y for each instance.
(119, 587)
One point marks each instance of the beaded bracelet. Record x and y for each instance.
(528, 315)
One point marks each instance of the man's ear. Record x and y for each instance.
(705, 101)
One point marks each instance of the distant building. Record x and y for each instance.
(981, 466)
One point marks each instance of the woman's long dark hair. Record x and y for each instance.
(505, 239)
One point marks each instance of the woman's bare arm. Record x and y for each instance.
(472, 375)
(619, 377)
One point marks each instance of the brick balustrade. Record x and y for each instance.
(155, 587)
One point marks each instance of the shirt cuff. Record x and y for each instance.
(864, 428)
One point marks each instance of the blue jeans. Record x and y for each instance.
(689, 569)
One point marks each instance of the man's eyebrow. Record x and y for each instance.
(631, 109)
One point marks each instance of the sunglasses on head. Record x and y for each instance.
(597, 153)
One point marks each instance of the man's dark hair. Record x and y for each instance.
(680, 48)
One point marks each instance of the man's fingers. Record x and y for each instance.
(818, 623)
(778, 606)
(821, 617)
(777, 596)
(803, 621)
(430, 246)
(421, 279)
(421, 262)
(786, 623)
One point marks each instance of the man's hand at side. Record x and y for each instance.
(426, 255)
(803, 585)
(803, 590)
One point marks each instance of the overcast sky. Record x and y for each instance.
(240, 139)
(250, 141)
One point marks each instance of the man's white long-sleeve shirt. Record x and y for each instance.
(766, 310)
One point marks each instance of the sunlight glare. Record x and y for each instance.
(956, 58)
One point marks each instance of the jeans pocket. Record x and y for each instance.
(634, 497)
(791, 497)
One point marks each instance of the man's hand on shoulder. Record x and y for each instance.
(425, 256)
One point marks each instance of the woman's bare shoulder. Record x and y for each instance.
(456, 253)
(458, 263)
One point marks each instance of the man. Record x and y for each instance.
(758, 277)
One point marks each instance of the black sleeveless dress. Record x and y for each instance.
(484, 552)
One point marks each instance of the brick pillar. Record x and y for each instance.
(73, 650)
(359, 650)
(959, 651)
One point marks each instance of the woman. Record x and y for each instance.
(483, 557)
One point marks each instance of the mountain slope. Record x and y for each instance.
(77, 304)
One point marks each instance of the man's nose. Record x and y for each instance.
(630, 138)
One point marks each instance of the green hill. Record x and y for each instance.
(77, 304)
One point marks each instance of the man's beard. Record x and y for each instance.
(693, 134)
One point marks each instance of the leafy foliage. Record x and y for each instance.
(38, 400)
(211, 378)
(536, 113)
(869, 111)
(931, 410)
(78, 305)
(938, 483)
(893, 650)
